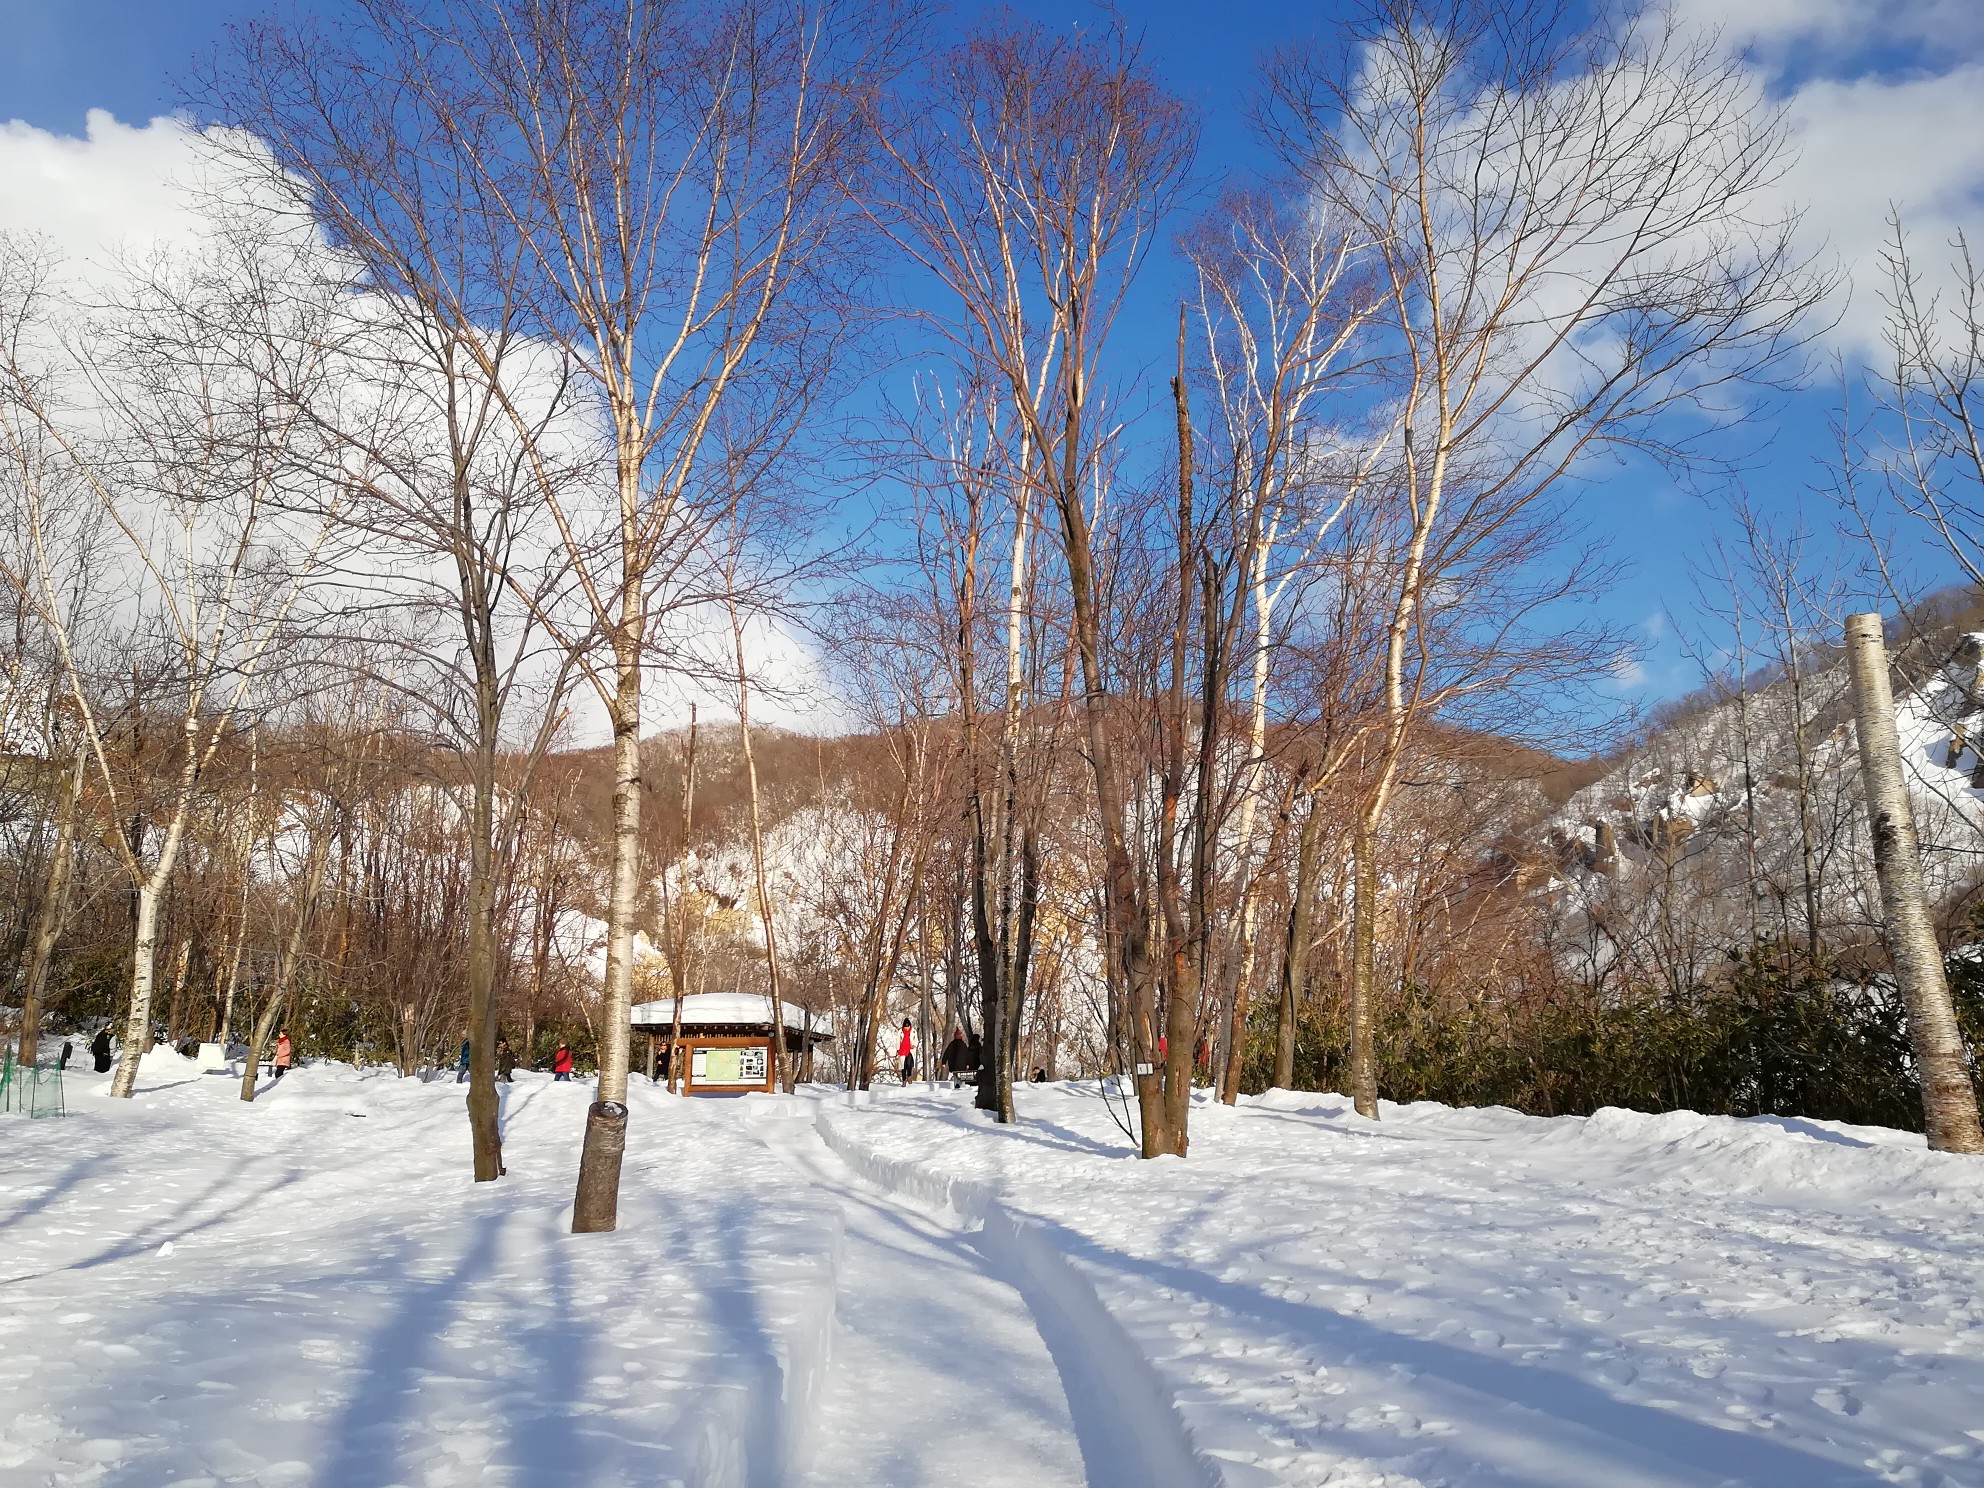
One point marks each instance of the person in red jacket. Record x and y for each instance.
(561, 1063)
(906, 1052)
(284, 1053)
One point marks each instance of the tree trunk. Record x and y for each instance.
(286, 963)
(138, 1017)
(678, 959)
(993, 1092)
(484, 1110)
(54, 911)
(1949, 1102)
(596, 1204)
(258, 1040)
(776, 993)
(175, 1017)
(1295, 958)
(1363, 972)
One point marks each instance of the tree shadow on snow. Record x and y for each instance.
(1572, 1419)
(734, 1307)
(1818, 1133)
(224, 1201)
(364, 1438)
(72, 1177)
(548, 1448)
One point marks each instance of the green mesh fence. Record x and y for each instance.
(30, 1089)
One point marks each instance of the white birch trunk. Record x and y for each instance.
(1949, 1102)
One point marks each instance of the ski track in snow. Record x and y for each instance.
(938, 1373)
(886, 1291)
(1477, 1299)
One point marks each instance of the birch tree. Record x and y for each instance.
(1282, 309)
(1029, 181)
(1580, 256)
(140, 411)
(670, 178)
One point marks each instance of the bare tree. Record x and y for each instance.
(1030, 180)
(1283, 311)
(1949, 1101)
(142, 412)
(670, 180)
(1577, 256)
(1925, 449)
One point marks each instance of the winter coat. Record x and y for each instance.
(957, 1056)
(506, 1061)
(974, 1053)
(561, 1062)
(282, 1052)
(908, 1045)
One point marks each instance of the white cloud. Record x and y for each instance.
(121, 188)
(123, 191)
(1872, 146)
(1886, 98)
(1626, 671)
(1838, 30)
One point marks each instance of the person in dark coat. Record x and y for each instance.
(100, 1047)
(461, 1065)
(506, 1061)
(956, 1053)
(974, 1054)
(1039, 1075)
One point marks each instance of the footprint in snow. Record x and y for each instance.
(1840, 1402)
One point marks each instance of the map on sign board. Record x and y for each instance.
(744, 1066)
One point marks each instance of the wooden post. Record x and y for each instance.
(1949, 1104)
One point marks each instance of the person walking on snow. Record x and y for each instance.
(284, 1053)
(957, 1054)
(506, 1061)
(561, 1063)
(100, 1049)
(906, 1052)
(461, 1064)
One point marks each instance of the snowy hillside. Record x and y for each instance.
(822, 1290)
(1745, 820)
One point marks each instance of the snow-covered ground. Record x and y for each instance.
(824, 1292)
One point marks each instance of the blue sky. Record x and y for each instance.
(1888, 96)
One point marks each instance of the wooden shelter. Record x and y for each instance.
(726, 1041)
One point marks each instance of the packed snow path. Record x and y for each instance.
(937, 1371)
(821, 1291)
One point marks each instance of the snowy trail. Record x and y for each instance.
(825, 1292)
(937, 1373)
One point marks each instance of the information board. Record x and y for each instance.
(745, 1066)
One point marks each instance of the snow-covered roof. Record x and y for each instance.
(701, 1009)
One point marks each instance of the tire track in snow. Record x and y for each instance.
(1113, 1425)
